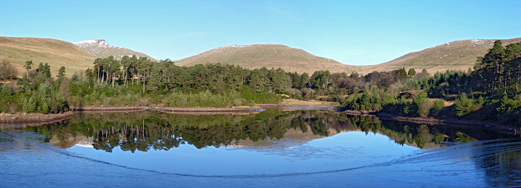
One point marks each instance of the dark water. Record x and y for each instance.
(274, 148)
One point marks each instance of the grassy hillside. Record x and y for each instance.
(457, 55)
(55, 52)
(258, 56)
(100, 48)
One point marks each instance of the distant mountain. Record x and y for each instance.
(267, 55)
(457, 55)
(100, 48)
(55, 52)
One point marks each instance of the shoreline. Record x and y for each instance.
(166, 109)
(302, 103)
(209, 109)
(108, 109)
(39, 118)
(34, 118)
(495, 126)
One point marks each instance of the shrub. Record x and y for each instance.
(365, 101)
(205, 99)
(463, 105)
(7, 71)
(508, 104)
(437, 107)
(422, 104)
(259, 97)
(424, 109)
(438, 104)
(420, 98)
(509, 111)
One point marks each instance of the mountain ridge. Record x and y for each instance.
(454, 55)
(100, 48)
(267, 55)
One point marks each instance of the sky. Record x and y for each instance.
(351, 32)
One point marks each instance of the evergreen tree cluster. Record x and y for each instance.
(37, 91)
(489, 92)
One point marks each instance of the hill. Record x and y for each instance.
(55, 52)
(457, 55)
(100, 48)
(263, 55)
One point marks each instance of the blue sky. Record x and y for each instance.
(356, 33)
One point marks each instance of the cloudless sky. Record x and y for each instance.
(352, 32)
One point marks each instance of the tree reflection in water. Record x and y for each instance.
(499, 159)
(143, 131)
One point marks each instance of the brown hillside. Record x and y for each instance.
(457, 55)
(55, 52)
(258, 56)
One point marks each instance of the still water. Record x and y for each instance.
(275, 148)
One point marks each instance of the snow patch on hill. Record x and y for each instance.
(100, 48)
(477, 41)
(237, 46)
(97, 43)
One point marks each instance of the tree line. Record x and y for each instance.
(140, 81)
(494, 85)
(489, 92)
(164, 132)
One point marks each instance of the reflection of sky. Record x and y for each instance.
(344, 150)
(346, 159)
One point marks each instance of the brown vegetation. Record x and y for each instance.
(55, 52)
(261, 55)
(457, 55)
(7, 71)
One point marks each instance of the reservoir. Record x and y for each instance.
(273, 148)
